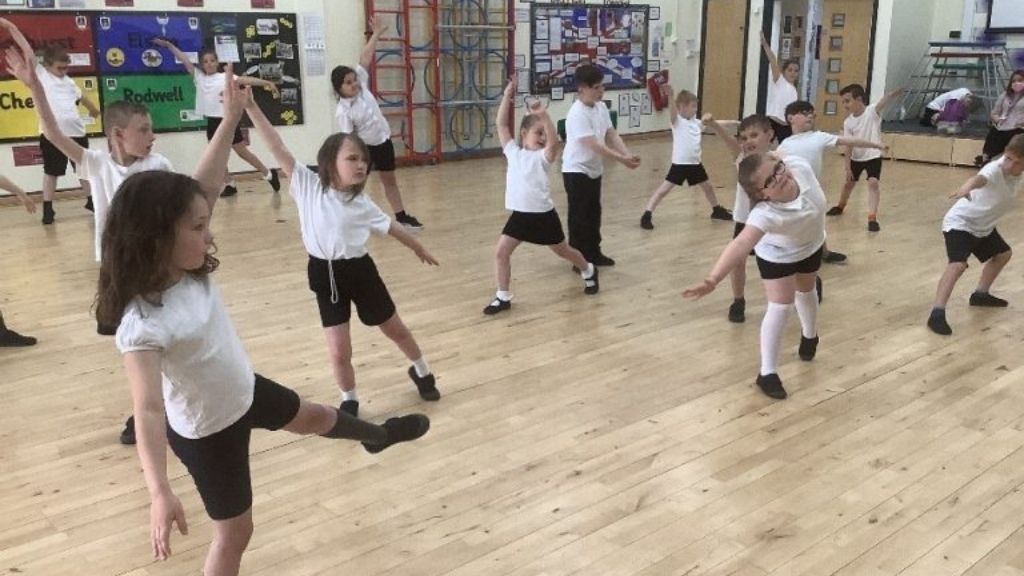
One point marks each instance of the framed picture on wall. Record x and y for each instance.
(838, 20)
(799, 22)
(835, 65)
(655, 13)
(796, 42)
(835, 43)
(832, 86)
(787, 25)
(831, 108)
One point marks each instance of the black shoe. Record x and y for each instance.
(771, 385)
(401, 429)
(602, 260)
(228, 191)
(737, 311)
(11, 339)
(979, 161)
(275, 180)
(497, 305)
(835, 211)
(350, 407)
(128, 434)
(48, 213)
(987, 300)
(808, 348)
(721, 213)
(426, 385)
(833, 257)
(937, 322)
(820, 287)
(591, 285)
(408, 220)
(88, 204)
(873, 226)
(645, 220)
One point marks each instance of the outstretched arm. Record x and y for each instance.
(772, 58)
(210, 170)
(734, 255)
(501, 121)
(860, 143)
(7, 184)
(973, 183)
(366, 56)
(730, 141)
(889, 99)
(270, 136)
(399, 233)
(252, 81)
(178, 54)
(551, 143)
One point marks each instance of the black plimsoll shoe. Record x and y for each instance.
(128, 434)
(721, 213)
(771, 385)
(833, 257)
(275, 180)
(48, 215)
(426, 385)
(737, 311)
(835, 211)
(808, 348)
(228, 191)
(88, 204)
(645, 220)
(497, 305)
(602, 260)
(11, 339)
(937, 322)
(408, 220)
(350, 407)
(873, 226)
(401, 429)
(987, 300)
(591, 285)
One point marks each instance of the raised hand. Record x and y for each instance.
(510, 88)
(19, 66)
(377, 26)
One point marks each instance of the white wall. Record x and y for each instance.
(344, 31)
(907, 30)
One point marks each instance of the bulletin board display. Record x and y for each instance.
(113, 53)
(612, 37)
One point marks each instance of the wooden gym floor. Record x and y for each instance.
(607, 435)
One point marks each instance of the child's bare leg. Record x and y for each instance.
(503, 261)
(230, 539)
(658, 195)
(709, 193)
(49, 187)
(874, 197)
(396, 330)
(339, 346)
(990, 271)
(391, 190)
(253, 160)
(949, 278)
(738, 279)
(571, 254)
(844, 196)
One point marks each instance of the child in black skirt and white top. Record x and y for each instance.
(337, 220)
(786, 230)
(358, 113)
(528, 196)
(210, 83)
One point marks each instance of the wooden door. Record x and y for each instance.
(847, 30)
(723, 46)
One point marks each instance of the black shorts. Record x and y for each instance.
(544, 228)
(382, 156)
(961, 244)
(692, 174)
(55, 163)
(219, 463)
(873, 167)
(211, 128)
(775, 270)
(782, 131)
(356, 281)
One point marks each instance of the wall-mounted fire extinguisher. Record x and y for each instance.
(656, 87)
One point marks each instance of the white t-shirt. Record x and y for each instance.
(987, 204)
(741, 207)
(526, 181)
(362, 114)
(209, 89)
(940, 102)
(105, 177)
(208, 380)
(793, 230)
(334, 225)
(63, 95)
(581, 122)
(780, 94)
(686, 140)
(867, 126)
(810, 146)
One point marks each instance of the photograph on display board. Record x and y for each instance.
(612, 37)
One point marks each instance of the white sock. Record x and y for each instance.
(268, 175)
(421, 367)
(774, 322)
(349, 395)
(807, 311)
(586, 274)
(503, 295)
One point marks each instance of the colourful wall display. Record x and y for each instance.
(612, 37)
(171, 98)
(18, 119)
(72, 31)
(124, 41)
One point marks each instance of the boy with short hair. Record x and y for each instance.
(969, 227)
(864, 122)
(686, 160)
(589, 139)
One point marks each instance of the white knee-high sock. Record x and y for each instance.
(775, 316)
(807, 310)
